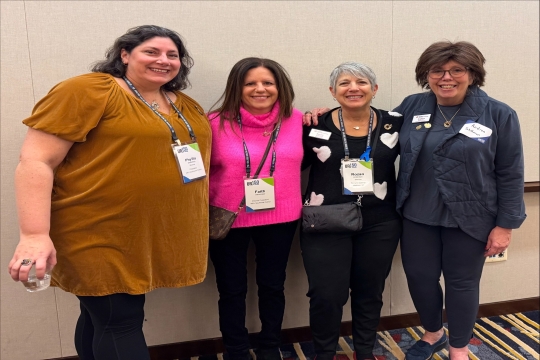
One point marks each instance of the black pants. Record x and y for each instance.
(229, 256)
(426, 252)
(110, 328)
(336, 263)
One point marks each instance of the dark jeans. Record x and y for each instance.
(229, 256)
(336, 263)
(426, 252)
(110, 328)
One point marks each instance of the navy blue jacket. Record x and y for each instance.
(480, 183)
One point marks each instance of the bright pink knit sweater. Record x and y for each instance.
(227, 165)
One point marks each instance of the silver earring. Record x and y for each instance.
(334, 99)
(373, 98)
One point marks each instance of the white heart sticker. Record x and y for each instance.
(323, 153)
(390, 140)
(380, 190)
(316, 199)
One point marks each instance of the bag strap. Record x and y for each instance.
(266, 151)
(308, 190)
(377, 131)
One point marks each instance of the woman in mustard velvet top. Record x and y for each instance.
(123, 219)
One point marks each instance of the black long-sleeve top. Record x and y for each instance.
(324, 157)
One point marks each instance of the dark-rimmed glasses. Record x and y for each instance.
(455, 73)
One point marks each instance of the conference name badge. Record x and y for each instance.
(476, 131)
(189, 160)
(357, 176)
(421, 118)
(259, 194)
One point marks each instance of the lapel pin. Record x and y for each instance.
(387, 126)
(418, 127)
(427, 125)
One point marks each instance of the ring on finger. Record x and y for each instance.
(307, 112)
(27, 262)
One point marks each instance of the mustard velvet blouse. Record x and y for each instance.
(122, 221)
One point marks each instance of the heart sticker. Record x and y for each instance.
(390, 140)
(380, 190)
(323, 153)
(316, 199)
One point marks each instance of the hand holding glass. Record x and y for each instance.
(33, 284)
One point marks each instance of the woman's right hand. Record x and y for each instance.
(312, 116)
(41, 153)
(37, 248)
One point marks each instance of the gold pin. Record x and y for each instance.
(427, 125)
(418, 127)
(387, 126)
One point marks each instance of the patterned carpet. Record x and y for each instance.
(513, 336)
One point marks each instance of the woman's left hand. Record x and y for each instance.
(498, 240)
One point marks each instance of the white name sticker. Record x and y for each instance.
(476, 131)
(421, 118)
(259, 194)
(320, 134)
(189, 160)
(357, 177)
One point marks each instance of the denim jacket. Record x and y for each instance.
(480, 183)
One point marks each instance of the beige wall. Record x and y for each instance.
(44, 42)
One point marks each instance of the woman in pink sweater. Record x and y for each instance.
(256, 108)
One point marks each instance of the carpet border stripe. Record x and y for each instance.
(289, 336)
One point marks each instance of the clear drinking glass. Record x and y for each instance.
(34, 284)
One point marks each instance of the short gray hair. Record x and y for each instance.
(355, 69)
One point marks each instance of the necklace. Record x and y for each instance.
(358, 127)
(447, 123)
(154, 104)
(268, 133)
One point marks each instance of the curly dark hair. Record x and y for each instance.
(134, 37)
(441, 52)
(231, 98)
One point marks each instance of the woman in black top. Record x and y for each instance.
(359, 261)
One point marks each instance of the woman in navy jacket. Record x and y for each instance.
(459, 189)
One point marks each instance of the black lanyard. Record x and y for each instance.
(273, 139)
(366, 155)
(180, 115)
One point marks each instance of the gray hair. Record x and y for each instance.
(355, 69)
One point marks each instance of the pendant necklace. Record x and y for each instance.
(447, 122)
(356, 127)
(154, 104)
(268, 133)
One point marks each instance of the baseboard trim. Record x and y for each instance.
(532, 186)
(183, 350)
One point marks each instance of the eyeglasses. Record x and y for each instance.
(455, 73)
